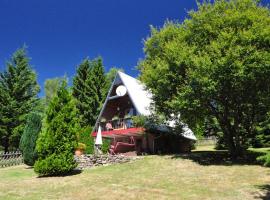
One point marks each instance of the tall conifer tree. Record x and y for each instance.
(89, 89)
(18, 96)
(58, 139)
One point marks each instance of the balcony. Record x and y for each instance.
(118, 128)
(116, 124)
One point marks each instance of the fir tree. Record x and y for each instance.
(89, 90)
(18, 97)
(81, 90)
(58, 140)
(29, 138)
(97, 80)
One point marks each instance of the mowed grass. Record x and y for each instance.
(152, 177)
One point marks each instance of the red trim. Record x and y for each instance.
(121, 132)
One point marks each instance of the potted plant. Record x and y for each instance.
(80, 149)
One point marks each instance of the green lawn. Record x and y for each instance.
(153, 177)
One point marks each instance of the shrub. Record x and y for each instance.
(81, 146)
(58, 140)
(106, 145)
(86, 138)
(265, 160)
(139, 121)
(262, 134)
(29, 138)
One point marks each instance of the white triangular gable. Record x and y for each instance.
(140, 97)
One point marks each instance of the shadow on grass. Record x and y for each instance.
(72, 173)
(220, 158)
(266, 190)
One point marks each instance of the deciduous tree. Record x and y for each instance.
(215, 64)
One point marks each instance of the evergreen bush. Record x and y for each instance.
(58, 139)
(29, 138)
(86, 138)
(265, 160)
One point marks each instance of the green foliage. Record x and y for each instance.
(262, 134)
(18, 97)
(265, 160)
(86, 138)
(51, 87)
(139, 120)
(29, 138)
(81, 146)
(110, 77)
(89, 86)
(106, 145)
(214, 65)
(58, 140)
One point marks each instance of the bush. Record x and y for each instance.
(81, 146)
(58, 139)
(262, 135)
(29, 138)
(86, 138)
(106, 145)
(139, 120)
(265, 160)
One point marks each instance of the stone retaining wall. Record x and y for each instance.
(89, 160)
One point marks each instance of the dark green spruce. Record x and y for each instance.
(18, 97)
(89, 89)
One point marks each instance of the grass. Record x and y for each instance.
(153, 177)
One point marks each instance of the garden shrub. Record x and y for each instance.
(58, 140)
(86, 138)
(265, 160)
(81, 146)
(29, 138)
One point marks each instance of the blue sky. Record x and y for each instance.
(60, 33)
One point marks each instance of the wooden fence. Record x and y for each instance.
(10, 158)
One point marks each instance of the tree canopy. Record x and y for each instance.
(51, 87)
(18, 97)
(89, 88)
(216, 64)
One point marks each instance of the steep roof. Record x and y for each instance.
(141, 99)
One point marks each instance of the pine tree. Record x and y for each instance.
(18, 97)
(58, 140)
(89, 90)
(29, 138)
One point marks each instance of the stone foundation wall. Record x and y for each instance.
(89, 160)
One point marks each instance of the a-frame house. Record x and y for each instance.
(126, 98)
